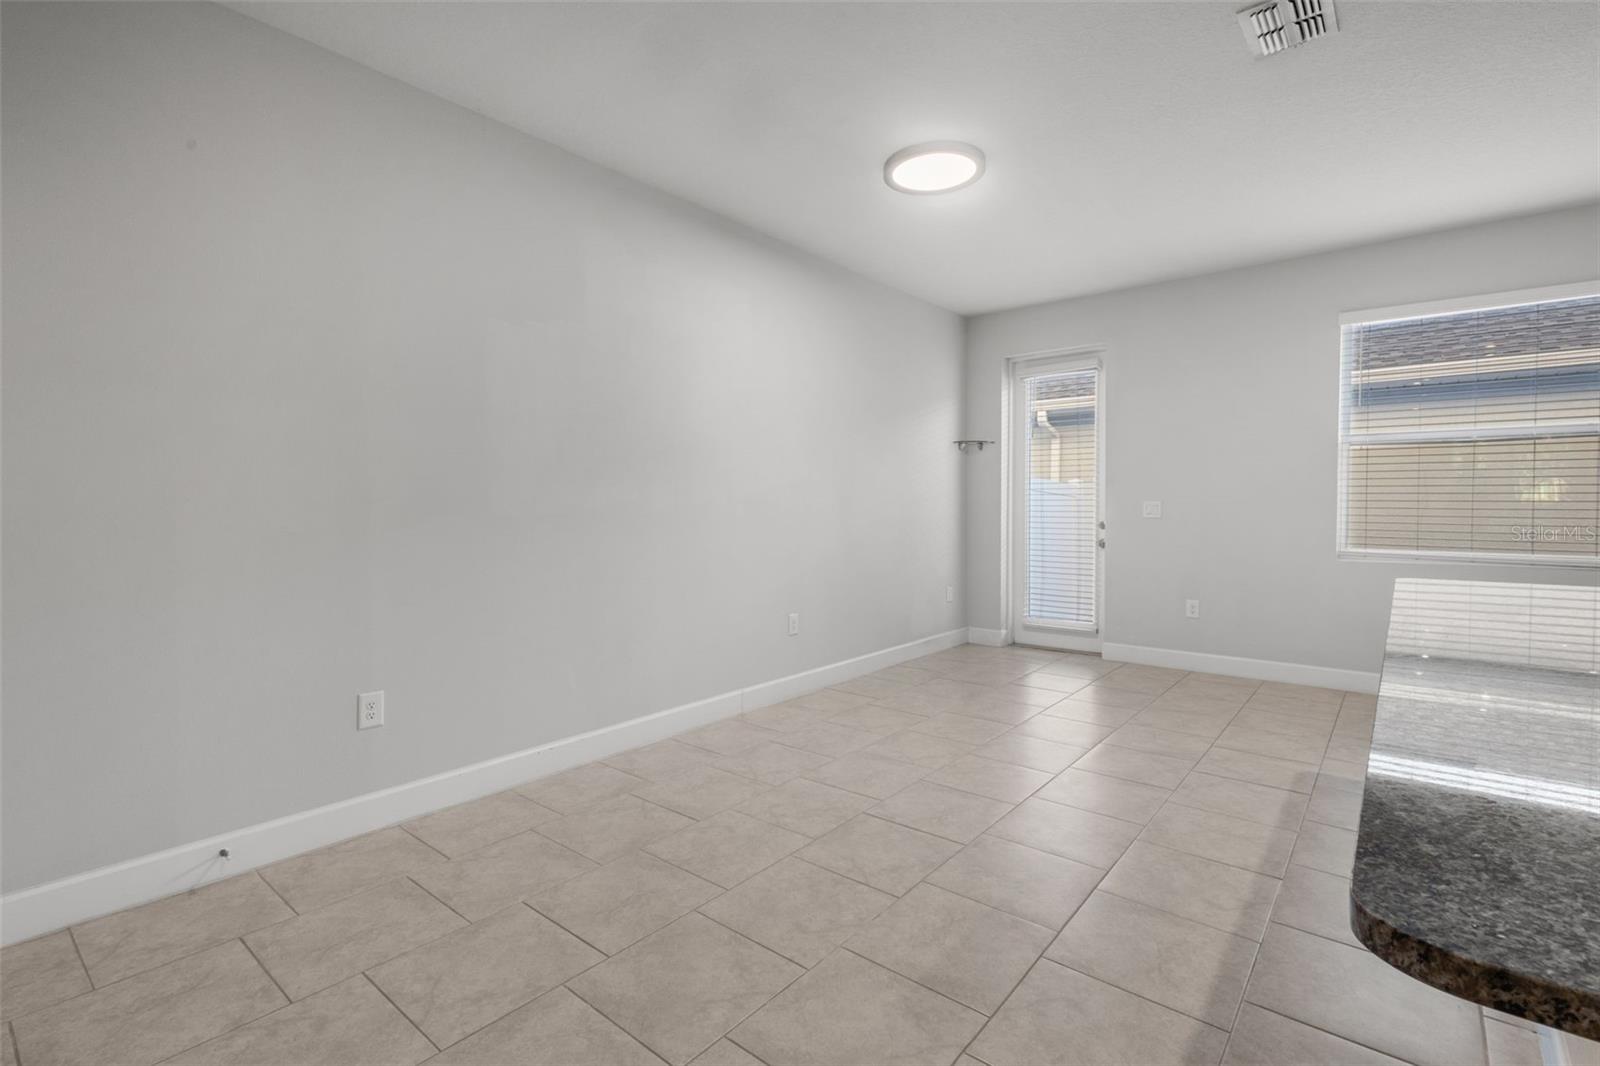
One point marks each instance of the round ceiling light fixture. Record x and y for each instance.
(938, 166)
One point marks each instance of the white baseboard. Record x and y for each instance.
(45, 908)
(1260, 669)
(993, 638)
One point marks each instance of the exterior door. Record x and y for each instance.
(1058, 536)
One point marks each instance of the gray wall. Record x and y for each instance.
(317, 384)
(1222, 402)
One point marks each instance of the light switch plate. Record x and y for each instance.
(1152, 509)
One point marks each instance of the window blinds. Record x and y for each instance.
(1062, 498)
(1474, 434)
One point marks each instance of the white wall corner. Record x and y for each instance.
(1259, 669)
(34, 911)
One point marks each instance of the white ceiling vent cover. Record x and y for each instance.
(1276, 25)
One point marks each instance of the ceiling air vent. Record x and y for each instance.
(1276, 25)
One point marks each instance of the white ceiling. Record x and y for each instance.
(1127, 141)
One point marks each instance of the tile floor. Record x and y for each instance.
(987, 856)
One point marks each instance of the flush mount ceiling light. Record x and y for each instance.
(938, 166)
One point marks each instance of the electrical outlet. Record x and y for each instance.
(1191, 608)
(369, 710)
(794, 624)
(1151, 509)
(949, 594)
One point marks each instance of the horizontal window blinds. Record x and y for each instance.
(1062, 498)
(1474, 433)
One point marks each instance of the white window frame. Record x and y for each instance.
(1487, 302)
(1040, 634)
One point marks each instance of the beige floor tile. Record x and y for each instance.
(1035, 753)
(1262, 1038)
(919, 749)
(1202, 890)
(996, 780)
(1033, 696)
(725, 1053)
(1058, 1017)
(1259, 769)
(664, 758)
(875, 719)
(882, 854)
(1241, 799)
(470, 826)
(910, 675)
(1336, 802)
(40, 973)
(1511, 1045)
(468, 978)
(852, 1011)
(868, 774)
(1103, 694)
(944, 812)
(799, 910)
(1315, 902)
(1282, 690)
(1007, 712)
(805, 806)
(323, 947)
(580, 788)
(700, 792)
(1100, 714)
(1207, 701)
(1085, 666)
(492, 878)
(1178, 963)
(727, 848)
(1353, 994)
(1067, 731)
(1275, 745)
(614, 828)
(142, 938)
(785, 717)
(1235, 841)
(349, 1023)
(624, 901)
(961, 728)
(329, 874)
(918, 701)
(1273, 721)
(1128, 800)
(1185, 746)
(1083, 836)
(1204, 726)
(557, 1029)
(826, 738)
(680, 989)
(152, 1015)
(1150, 680)
(1059, 684)
(1161, 771)
(1326, 848)
(1343, 770)
(958, 947)
(871, 687)
(728, 737)
(772, 764)
(1043, 888)
(1349, 749)
(831, 699)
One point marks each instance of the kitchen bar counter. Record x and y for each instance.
(1478, 860)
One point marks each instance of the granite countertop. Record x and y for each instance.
(1478, 859)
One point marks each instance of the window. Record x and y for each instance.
(1473, 432)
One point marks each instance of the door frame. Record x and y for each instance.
(1014, 466)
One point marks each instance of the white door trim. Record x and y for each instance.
(1018, 369)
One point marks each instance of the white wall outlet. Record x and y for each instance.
(949, 594)
(369, 710)
(1151, 509)
(1191, 608)
(794, 624)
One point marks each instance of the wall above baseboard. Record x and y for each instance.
(1260, 669)
(34, 911)
(993, 638)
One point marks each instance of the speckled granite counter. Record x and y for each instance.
(1478, 860)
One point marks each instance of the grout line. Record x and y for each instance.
(604, 954)
(288, 1000)
(409, 1020)
(275, 892)
(401, 826)
(72, 938)
(436, 899)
